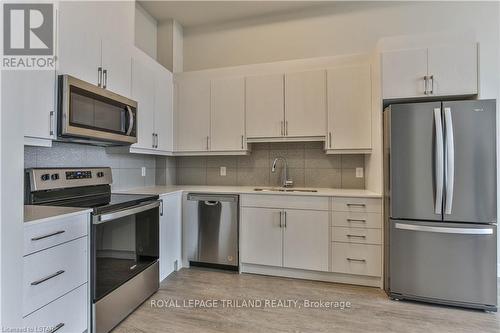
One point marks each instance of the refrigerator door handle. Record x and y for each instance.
(439, 161)
(450, 161)
(445, 230)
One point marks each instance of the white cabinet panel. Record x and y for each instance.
(261, 236)
(116, 64)
(192, 115)
(356, 235)
(164, 108)
(116, 20)
(349, 107)
(170, 234)
(305, 103)
(227, 114)
(305, 240)
(403, 73)
(143, 91)
(359, 259)
(264, 106)
(453, 70)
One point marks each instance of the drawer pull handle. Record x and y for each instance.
(356, 205)
(356, 220)
(57, 327)
(357, 236)
(357, 260)
(37, 282)
(49, 235)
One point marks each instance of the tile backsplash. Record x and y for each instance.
(126, 168)
(308, 165)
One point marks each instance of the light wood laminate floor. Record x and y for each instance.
(371, 310)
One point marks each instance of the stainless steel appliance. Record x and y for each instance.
(216, 219)
(91, 114)
(124, 237)
(440, 207)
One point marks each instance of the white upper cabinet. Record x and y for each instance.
(227, 117)
(305, 104)
(453, 70)
(436, 71)
(192, 116)
(264, 101)
(349, 108)
(116, 64)
(164, 121)
(404, 73)
(143, 91)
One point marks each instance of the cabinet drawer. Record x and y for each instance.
(41, 236)
(284, 201)
(359, 259)
(357, 220)
(52, 273)
(344, 204)
(356, 235)
(70, 312)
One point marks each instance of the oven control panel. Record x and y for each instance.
(78, 174)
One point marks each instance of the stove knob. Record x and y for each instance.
(55, 176)
(45, 177)
(100, 174)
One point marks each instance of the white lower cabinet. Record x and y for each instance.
(170, 234)
(358, 259)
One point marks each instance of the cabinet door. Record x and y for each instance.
(143, 91)
(305, 239)
(453, 69)
(116, 20)
(264, 106)
(261, 236)
(116, 62)
(403, 73)
(227, 117)
(170, 234)
(349, 107)
(79, 42)
(192, 115)
(305, 103)
(164, 108)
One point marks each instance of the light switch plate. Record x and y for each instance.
(359, 172)
(143, 171)
(222, 171)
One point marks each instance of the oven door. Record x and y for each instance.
(124, 243)
(93, 113)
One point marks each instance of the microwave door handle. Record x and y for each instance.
(130, 120)
(98, 219)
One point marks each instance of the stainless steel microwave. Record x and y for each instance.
(90, 114)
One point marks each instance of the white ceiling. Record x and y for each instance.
(195, 13)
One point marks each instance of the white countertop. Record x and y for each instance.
(46, 213)
(322, 192)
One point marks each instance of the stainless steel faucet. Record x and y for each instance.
(285, 182)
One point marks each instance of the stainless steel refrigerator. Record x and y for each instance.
(440, 207)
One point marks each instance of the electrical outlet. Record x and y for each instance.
(223, 171)
(143, 171)
(359, 172)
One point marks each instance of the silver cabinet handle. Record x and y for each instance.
(286, 128)
(104, 78)
(355, 236)
(284, 213)
(330, 139)
(281, 219)
(56, 328)
(48, 235)
(208, 139)
(355, 259)
(439, 161)
(450, 161)
(99, 76)
(282, 128)
(161, 207)
(153, 140)
(51, 276)
(51, 123)
(426, 79)
(242, 146)
(356, 205)
(445, 230)
(130, 120)
(356, 220)
(431, 78)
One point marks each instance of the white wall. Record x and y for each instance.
(170, 45)
(145, 31)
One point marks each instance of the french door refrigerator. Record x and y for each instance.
(440, 207)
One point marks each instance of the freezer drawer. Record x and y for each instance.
(449, 263)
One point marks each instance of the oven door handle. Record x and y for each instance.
(98, 219)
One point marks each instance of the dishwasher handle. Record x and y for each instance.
(211, 198)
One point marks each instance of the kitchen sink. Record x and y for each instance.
(283, 189)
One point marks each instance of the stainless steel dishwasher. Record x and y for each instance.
(216, 216)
